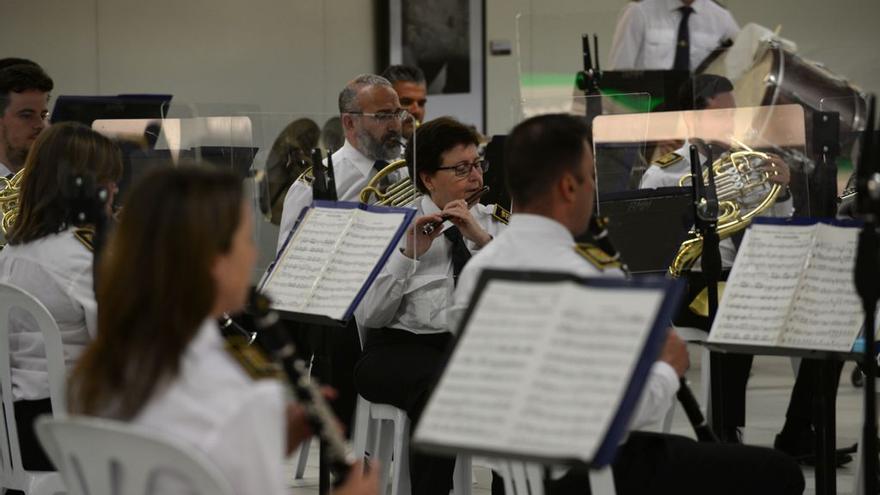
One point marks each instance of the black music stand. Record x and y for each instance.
(663, 215)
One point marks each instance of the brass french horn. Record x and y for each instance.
(744, 191)
(10, 189)
(400, 193)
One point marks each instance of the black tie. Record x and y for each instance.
(460, 253)
(683, 45)
(378, 165)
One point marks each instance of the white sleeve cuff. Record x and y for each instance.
(399, 266)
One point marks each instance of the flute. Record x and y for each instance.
(430, 227)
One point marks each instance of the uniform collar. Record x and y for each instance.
(540, 227)
(360, 161)
(207, 337)
(674, 5)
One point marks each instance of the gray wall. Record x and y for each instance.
(283, 55)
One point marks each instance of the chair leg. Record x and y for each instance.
(535, 478)
(362, 430)
(859, 475)
(384, 451)
(462, 478)
(302, 458)
(602, 482)
(400, 482)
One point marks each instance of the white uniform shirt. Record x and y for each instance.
(351, 171)
(534, 242)
(214, 406)
(415, 295)
(669, 176)
(647, 33)
(4, 170)
(57, 270)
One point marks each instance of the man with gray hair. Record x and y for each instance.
(372, 123)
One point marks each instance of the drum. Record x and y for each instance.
(779, 76)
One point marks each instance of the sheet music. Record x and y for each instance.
(329, 259)
(827, 311)
(758, 294)
(792, 286)
(541, 368)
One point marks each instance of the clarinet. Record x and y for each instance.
(276, 341)
(598, 229)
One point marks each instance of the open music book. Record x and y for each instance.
(548, 367)
(331, 257)
(792, 286)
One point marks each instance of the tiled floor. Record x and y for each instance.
(768, 394)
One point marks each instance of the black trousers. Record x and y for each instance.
(660, 463)
(33, 457)
(399, 368)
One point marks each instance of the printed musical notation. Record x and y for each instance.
(541, 368)
(792, 286)
(329, 258)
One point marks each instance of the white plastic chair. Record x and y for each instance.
(103, 457)
(521, 478)
(13, 475)
(385, 429)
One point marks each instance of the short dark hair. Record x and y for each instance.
(22, 77)
(695, 93)
(404, 73)
(10, 61)
(539, 150)
(432, 139)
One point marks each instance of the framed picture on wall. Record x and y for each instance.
(445, 39)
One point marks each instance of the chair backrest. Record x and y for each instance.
(14, 297)
(98, 456)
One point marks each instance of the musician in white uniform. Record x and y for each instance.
(372, 122)
(669, 34)
(405, 310)
(550, 174)
(52, 260)
(181, 257)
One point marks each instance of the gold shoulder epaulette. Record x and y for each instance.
(500, 214)
(252, 358)
(596, 256)
(668, 159)
(86, 235)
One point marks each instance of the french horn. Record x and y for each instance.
(744, 191)
(10, 189)
(400, 193)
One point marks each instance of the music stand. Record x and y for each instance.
(663, 215)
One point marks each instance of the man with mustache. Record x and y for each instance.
(371, 121)
(24, 110)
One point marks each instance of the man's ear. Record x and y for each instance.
(567, 187)
(347, 121)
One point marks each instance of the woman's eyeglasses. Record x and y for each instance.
(463, 169)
